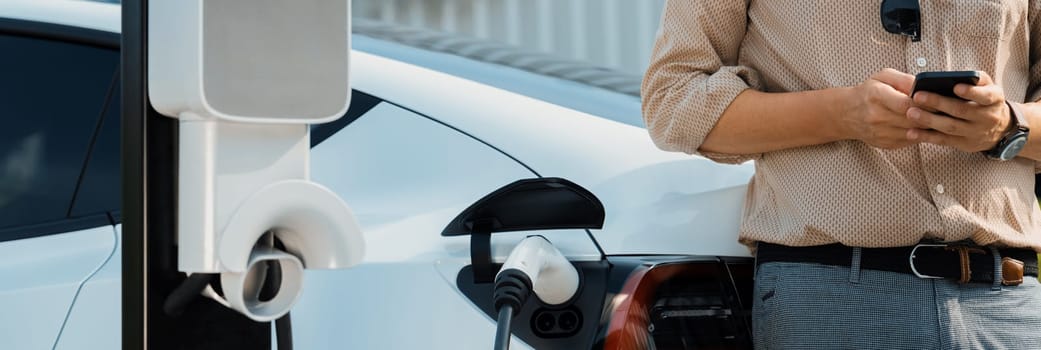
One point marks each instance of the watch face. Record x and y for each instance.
(1014, 146)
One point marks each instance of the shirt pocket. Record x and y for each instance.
(990, 19)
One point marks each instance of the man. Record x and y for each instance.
(862, 192)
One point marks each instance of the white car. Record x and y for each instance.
(428, 134)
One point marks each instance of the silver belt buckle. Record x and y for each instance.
(911, 258)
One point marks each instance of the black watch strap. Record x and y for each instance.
(1016, 110)
(1010, 144)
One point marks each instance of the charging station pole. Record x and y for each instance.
(132, 147)
(149, 215)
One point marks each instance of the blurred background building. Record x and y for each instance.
(616, 34)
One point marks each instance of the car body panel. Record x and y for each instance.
(429, 174)
(94, 321)
(651, 197)
(42, 277)
(574, 95)
(413, 310)
(409, 268)
(83, 14)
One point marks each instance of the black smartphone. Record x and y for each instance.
(943, 82)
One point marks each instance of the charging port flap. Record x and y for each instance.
(525, 205)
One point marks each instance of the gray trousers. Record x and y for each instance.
(813, 306)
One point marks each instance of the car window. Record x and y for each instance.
(361, 103)
(51, 94)
(99, 191)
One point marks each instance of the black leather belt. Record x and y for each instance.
(965, 263)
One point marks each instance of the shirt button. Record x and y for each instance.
(939, 189)
(921, 61)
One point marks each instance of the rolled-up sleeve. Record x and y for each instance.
(694, 74)
(1034, 91)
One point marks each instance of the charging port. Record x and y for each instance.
(556, 323)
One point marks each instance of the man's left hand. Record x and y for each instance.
(974, 124)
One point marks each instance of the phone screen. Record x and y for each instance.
(943, 82)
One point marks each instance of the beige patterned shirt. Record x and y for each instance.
(708, 52)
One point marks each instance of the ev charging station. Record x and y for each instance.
(218, 98)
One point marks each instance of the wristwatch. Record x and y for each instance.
(1012, 143)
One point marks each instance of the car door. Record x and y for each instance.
(53, 93)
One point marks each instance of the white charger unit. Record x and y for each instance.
(246, 78)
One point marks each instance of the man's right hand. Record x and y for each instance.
(877, 110)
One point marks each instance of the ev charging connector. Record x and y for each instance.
(245, 78)
(534, 265)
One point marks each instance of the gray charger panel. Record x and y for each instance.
(295, 68)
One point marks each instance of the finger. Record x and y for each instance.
(951, 106)
(900, 81)
(985, 95)
(895, 101)
(947, 125)
(985, 79)
(928, 109)
(902, 121)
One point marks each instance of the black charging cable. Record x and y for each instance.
(502, 329)
(186, 292)
(284, 333)
(512, 288)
